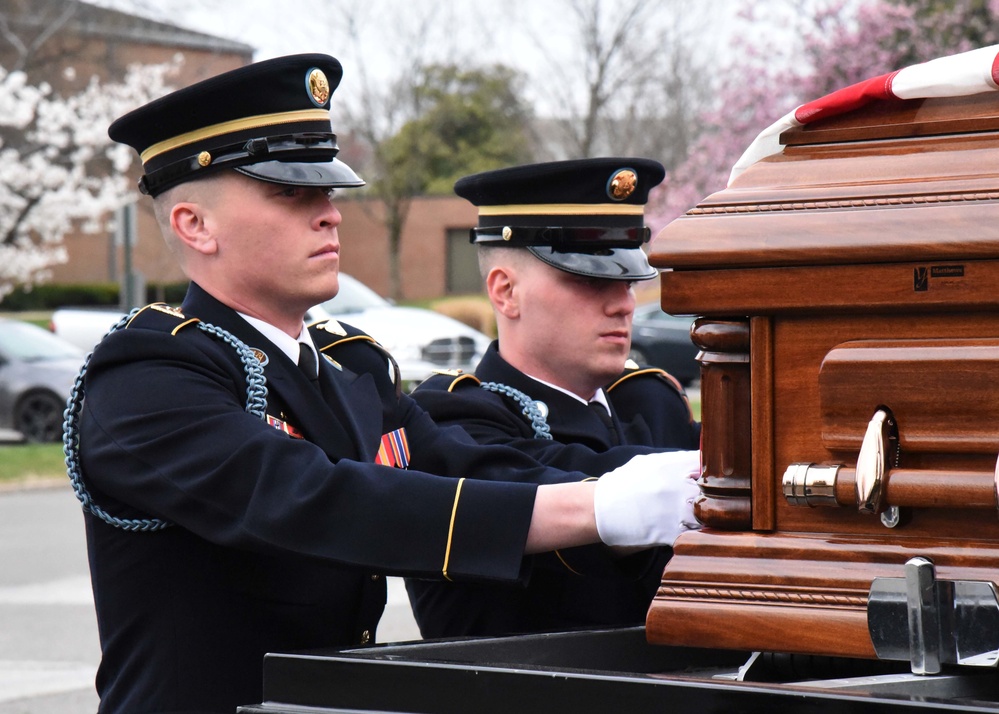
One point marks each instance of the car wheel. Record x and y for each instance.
(38, 416)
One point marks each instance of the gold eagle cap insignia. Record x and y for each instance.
(319, 86)
(622, 184)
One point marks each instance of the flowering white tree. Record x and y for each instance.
(59, 171)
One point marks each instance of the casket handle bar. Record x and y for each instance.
(932, 622)
(879, 486)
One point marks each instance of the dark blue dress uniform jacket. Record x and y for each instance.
(578, 587)
(278, 542)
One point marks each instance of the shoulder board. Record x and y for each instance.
(446, 380)
(333, 327)
(327, 335)
(635, 372)
(468, 380)
(162, 317)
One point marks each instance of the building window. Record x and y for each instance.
(462, 263)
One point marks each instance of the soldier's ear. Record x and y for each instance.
(187, 220)
(501, 286)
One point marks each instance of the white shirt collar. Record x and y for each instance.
(599, 397)
(284, 342)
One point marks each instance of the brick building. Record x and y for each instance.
(75, 41)
(435, 256)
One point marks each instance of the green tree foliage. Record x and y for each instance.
(462, 121)
(468, 120)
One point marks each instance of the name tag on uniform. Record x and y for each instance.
(394, 450)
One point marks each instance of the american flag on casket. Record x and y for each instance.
(958, 75)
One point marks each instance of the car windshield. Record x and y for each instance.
(353, 296)
(29, 343)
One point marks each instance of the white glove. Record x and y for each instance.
(649, 500)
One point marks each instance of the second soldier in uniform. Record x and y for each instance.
(560, 245)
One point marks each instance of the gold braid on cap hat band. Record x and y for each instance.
(564, 209)
(228, 127)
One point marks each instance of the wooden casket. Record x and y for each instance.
(848, 299)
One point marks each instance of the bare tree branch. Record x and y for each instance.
(628, 78)
(50, 19)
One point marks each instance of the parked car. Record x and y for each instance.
(83, 326)
(37, 371)
(662, 340)
(421, 341)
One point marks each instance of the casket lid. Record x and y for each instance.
(892, 181)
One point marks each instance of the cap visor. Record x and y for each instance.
(613, 264)
(332, 174)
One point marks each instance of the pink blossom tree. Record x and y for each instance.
(834, 44)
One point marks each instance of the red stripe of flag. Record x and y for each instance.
(847, 99)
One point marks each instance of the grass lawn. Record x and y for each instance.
(35, 317)
(28, 462)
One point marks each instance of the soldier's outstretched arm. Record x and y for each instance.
(646, 502)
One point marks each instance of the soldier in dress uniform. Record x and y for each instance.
(246, 480)
(560, 245)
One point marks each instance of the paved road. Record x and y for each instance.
(48, 633)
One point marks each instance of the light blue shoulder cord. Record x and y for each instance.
(529, 406)
(256, 404)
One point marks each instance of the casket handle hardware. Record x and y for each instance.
(878, 453)
(879, 486)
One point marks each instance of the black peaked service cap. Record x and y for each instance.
(585, 216)
(269, 120)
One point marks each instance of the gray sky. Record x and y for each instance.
(507, 31)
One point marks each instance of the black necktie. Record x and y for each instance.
(307, 363)
(605, 417)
